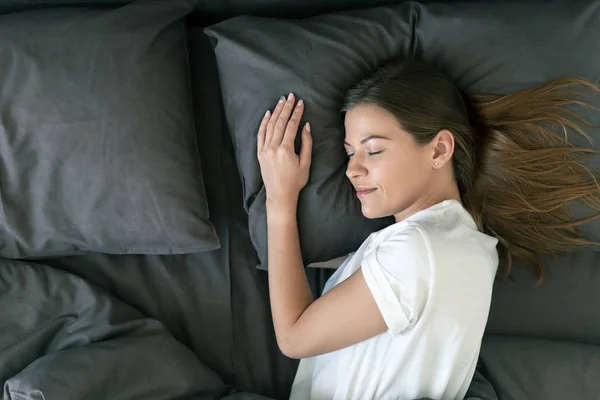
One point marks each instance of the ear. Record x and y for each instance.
(443, 148)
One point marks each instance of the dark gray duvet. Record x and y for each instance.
(66, 338)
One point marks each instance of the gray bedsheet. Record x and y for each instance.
(65, 338)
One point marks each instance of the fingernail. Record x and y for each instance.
(307, 127)
(281, 99)
(290, 96)
(300, 103)
(267, 113)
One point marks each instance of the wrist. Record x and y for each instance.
(282, 209)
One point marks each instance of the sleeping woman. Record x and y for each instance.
(470, 181)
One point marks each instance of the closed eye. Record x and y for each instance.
(371, 153)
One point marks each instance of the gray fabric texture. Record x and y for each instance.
(561, 307)
(64, 338)
(484, 48)
(214, 302)
(211, 11)
(525, 368)
(96, 134)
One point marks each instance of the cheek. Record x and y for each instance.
(399, 167)
(404, 174)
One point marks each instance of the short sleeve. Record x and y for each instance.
(398, 273)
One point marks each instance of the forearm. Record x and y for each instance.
(330, 264)
(288, 287)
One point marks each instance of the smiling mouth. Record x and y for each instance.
(364, 192)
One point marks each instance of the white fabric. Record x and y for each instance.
(431, 276)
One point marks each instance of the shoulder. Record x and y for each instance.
(398, 270)
(400, 249)
(402, 238)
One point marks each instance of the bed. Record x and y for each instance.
(196, 325)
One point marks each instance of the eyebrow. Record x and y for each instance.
(369, 138)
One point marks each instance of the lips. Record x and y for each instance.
(362, 192)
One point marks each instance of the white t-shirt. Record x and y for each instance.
(431, 276)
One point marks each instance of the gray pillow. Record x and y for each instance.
(562, 307)
(524, 368)
(260, 59)
(96, 133)
(486, 48)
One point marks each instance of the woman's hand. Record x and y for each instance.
(284, 172)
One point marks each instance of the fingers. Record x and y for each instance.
(306, 149)
(291, 129)
(282, 121)
(271, 123)
(281, 126)
(262, 129)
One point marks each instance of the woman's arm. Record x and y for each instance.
(288, 287)
(331, 264)
(347, 314)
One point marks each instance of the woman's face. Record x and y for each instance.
(389, 170)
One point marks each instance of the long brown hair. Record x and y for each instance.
(517, 177)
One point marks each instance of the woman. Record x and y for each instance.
(403, 317)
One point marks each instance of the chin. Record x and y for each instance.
(371, 214)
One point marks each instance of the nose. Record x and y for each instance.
(355, 168)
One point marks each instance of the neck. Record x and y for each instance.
(449, 192)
